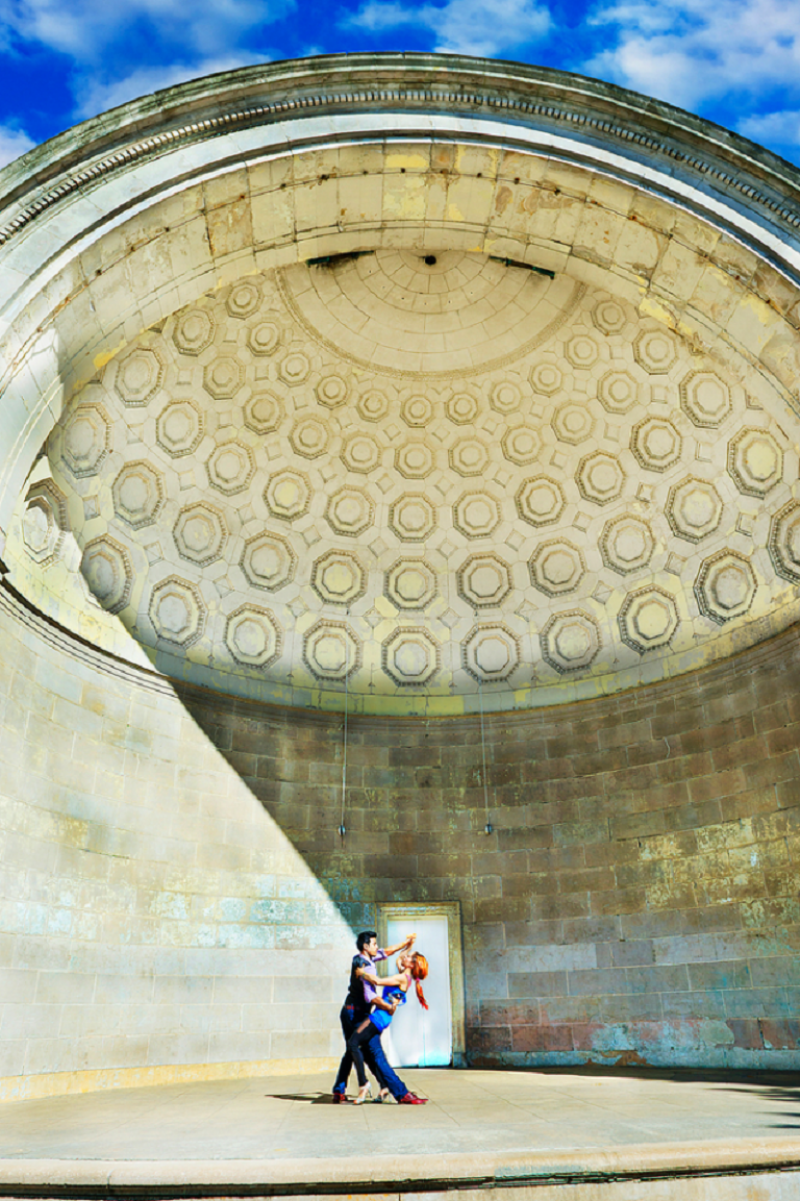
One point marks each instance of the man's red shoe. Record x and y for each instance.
(412, 1099)
(341, 1099)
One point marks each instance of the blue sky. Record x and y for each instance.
(735, 61)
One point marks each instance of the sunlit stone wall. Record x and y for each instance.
(172, 870)
(151, 912)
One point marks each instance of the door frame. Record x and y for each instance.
(452, 911)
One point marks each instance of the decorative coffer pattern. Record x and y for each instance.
(552, 486)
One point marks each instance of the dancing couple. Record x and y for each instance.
(368, 1009)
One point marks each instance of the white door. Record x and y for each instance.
(417, 1037)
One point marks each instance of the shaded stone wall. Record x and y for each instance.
(171, 869)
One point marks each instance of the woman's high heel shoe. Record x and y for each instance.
(364, 1094)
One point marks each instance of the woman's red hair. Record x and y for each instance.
(419, 971)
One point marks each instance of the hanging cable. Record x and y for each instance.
(342, 827)
(487, 829)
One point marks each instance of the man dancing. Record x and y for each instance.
(362, 995)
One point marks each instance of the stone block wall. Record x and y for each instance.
(154, 921)
(637, 899)
(171, 870)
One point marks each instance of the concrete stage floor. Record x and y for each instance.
(481, 1130)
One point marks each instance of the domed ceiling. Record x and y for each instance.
(429, 478)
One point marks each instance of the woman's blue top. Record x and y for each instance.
(380, 1018)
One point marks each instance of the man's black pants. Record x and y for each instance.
(373, 1055)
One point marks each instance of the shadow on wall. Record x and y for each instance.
(411, 826)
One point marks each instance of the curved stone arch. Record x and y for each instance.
(84, 211)
(334, 650)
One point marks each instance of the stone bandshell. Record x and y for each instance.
(747, 231)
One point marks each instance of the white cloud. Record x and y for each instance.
(13, 143)
(83, 29)
(94, 95)
(776, 129)
(692, 51)
(480, 27)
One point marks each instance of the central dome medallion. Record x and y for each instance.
(440, 314)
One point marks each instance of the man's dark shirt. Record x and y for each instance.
(355, 993)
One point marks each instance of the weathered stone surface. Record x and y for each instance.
(637, 896)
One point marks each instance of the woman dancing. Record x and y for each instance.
(413, 966)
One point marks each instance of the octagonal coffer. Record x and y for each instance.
(784, 542)
(491, 652)
(294, 367)
(200, 533)
(44, 522)
(484, 580)
(193, 331)
(243, 299)
(332, 651)
(253, 636)
(179, 428)
(572, 423)
(412, 517)
(350, 511)
(556, 567)
(648, 619)
(476, 514)
(177, 612)
(86, 439)
(288, 494)
(468, 456)
(755, 461)
(230, 468)
(570, 641)
(411, 656)
(540, 500)
(694, 509)
(361, 453)
(627, 544)
(139, 375)
(600, 477)
(138, 494)
(339, 577)
(263, 412)
(725, 586)
(107, 569)
(705, 398)
(268, 561)
(411, 584)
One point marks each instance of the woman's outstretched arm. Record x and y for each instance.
(364, 973)
(399, 981)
